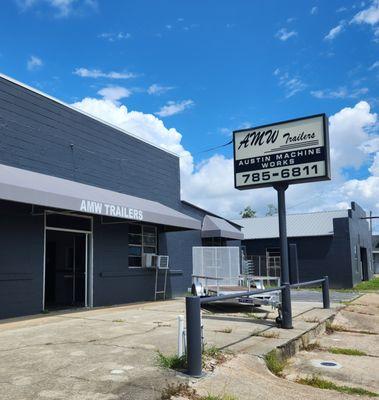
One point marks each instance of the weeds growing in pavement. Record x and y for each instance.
(274, 363)
(184, 390)
(346, 351)
(320, 383)
(171, 362)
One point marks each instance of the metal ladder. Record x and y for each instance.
(161, 266)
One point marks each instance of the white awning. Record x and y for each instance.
(218, 227)
(44, 190)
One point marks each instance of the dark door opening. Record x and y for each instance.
(65, 274)
(364, 264)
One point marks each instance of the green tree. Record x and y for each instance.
(248, 212)
(271, 210)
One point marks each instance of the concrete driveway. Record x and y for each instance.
(110, 353)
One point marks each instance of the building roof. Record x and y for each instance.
(44, 190)
(236, 224)
(298, 225)
(219, 227)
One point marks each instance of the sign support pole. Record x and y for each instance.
(284, 264)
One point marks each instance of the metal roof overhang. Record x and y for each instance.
(218, 227)
(44, 190)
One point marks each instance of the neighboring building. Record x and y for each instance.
(82, 203)
(375, 253)
(332, 243)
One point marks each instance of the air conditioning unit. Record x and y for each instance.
(162, 262)
(149, 260)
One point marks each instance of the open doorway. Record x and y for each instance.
(364, 264)
(66, 269)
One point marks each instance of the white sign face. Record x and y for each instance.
(293, 151)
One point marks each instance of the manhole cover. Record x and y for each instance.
(328, 364)
(325, 364)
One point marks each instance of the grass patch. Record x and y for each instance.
(266, 334)
(312, 319)
(331, 328)
(348, 352)
(320, 383)
(171, 362)
(118, 320)
(274, 363)
(269, 335)
(254, 316)
(184, 390)
(225, 330)
(312, 346)
(212, 352)
(372, 284)
(181, 389)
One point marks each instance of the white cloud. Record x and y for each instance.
(34, 63)
(334, 32)
(291, 84)
(63, 8)
(172, 108)
(374, 65)
(283, 34)
(113, 37)
(114, 93)
(314, 10)
(97, 73)
(145, 126)
(340, 93)
(354, 143)
(157, 89)
(369, 15)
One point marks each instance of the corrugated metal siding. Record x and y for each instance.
(36, 133)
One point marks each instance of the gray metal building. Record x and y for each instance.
(81, 204)
(375, 253)
(333, 243)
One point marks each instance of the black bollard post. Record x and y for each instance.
(325, 292)
(284, 265)
(286, 308)
(193, 320)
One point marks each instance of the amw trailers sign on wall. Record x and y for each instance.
(293, 151)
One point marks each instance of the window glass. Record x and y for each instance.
(134, 228)
(149, 229)
(142, 239)
(135, 251)
(135, 239)
(150, 240)
(135, 262)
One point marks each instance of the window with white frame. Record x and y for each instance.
(142, 240)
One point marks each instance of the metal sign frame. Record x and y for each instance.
(324, 177)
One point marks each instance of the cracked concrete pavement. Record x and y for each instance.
(110, 353)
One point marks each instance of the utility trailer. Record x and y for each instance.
(217, 271)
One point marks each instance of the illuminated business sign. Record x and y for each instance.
(293, 151)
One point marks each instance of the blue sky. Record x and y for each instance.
(204, 67)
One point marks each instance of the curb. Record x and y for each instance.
(294, 345)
